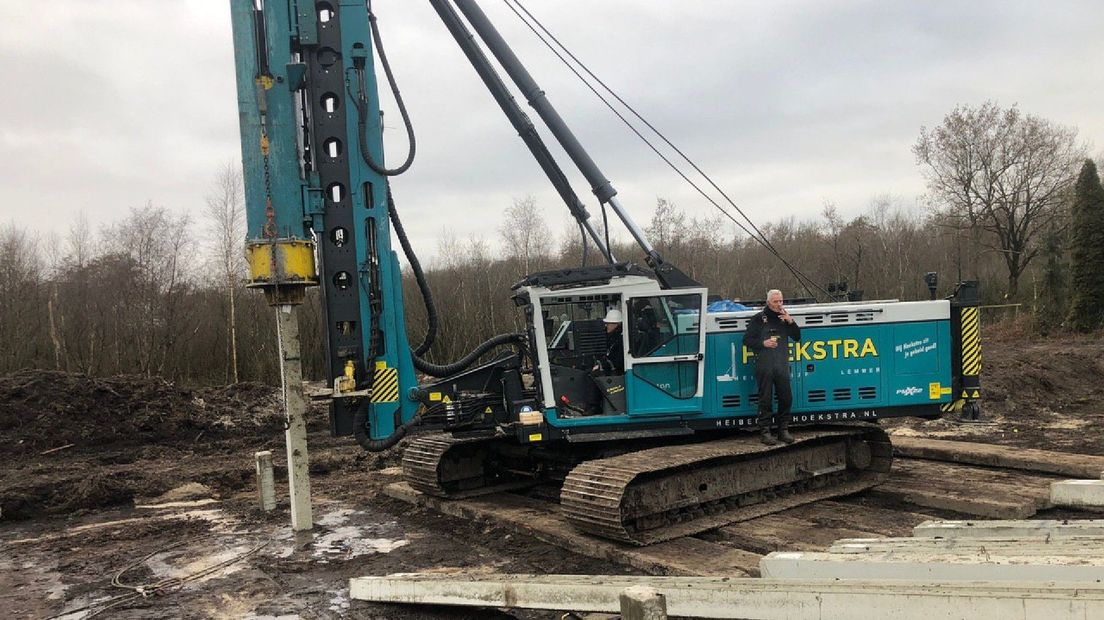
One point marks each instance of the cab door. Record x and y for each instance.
(665, 352)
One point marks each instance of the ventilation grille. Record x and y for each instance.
(817, 396)
(841, 394)
(835, 318)
(868, 393)
(730, 401)
(731, 323)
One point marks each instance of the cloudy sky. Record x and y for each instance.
(109, 104)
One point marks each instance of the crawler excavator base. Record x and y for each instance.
(655, 494)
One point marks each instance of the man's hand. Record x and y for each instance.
(770, 343)
(785, 316)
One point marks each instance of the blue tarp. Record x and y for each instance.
(725, 305)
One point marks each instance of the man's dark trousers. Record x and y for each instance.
(770, 380)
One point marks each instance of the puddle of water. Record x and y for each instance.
(350, 541)
(184, 504)
(177, 564)
(342, 538)
(336, 517)
(215, 516)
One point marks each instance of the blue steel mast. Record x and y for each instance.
(311, 191)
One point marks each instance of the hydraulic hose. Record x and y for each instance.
(360, 432)
(436, 370)
(361, 104)
(419, 277)
(444, 370)
(360, 418)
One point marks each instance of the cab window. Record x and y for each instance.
(663, 325)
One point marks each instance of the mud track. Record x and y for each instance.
(101, 472)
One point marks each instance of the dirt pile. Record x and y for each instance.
(1036, 393)
(47, 409)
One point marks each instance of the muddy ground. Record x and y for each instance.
(101, 473)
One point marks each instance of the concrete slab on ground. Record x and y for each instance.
(1087, 494)
(755, 599)
(971, 453)
(927, 565)
(1045, 528)
(984, 548)
(541, 520)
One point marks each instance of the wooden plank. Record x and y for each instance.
(993, 509)
(970, 453)
(541, 520)
(969, 490)
(865, 516)
(781, 532)
(754, 599)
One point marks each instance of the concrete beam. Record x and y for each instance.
(295, 406)
(1044, 529)
(929, 566)
(754, 599)
(1088, 494)
(985, 549)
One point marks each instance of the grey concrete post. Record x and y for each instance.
(642, 603)
(295, 405)
(266, 486)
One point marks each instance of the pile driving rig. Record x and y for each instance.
(643, 455)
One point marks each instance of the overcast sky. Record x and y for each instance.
(109, 104)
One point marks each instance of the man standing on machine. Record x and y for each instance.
(768, 335)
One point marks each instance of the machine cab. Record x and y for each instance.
(618, 349)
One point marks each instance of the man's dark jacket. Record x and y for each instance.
(763, 325)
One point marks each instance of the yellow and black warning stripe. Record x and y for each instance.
(385, 385)
(971, 343)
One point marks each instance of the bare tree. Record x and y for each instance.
(524, 234)
(1000, 172)
(667, 227)
(226, 215)
(20, 299)
(159, 246)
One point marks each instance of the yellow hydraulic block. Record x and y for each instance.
(283, 268)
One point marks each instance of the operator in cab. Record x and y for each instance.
(768, 335)
(612, 361)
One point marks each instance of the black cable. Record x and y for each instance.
(361, 103)
(759, 237)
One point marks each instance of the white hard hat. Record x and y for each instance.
(613, 316)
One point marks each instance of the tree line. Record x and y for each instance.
(1012, 202)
